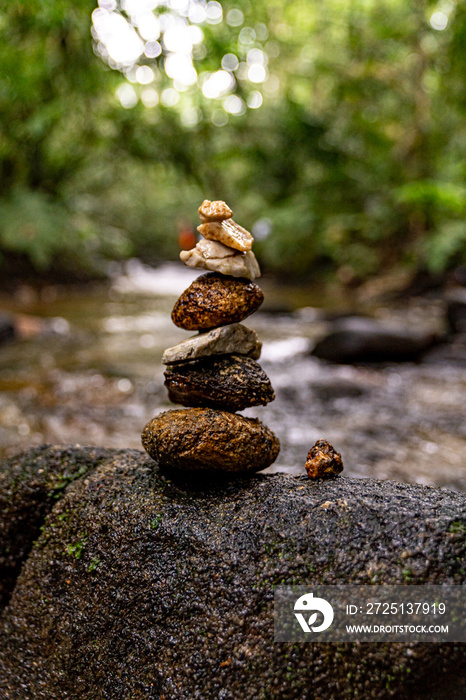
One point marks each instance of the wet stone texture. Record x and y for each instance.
(134, 585)
(201, 439)
(231, 382)
(323, 461)
(213, 300)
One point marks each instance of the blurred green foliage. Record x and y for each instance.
(355, 160)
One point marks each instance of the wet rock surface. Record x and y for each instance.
(129, 584)
(231, 382)
(202, 439)
(225, 340)
(213, 300)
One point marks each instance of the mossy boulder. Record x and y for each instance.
(123, 582)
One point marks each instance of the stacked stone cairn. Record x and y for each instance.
(215, 373)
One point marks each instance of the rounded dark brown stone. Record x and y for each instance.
(231, 382)
(214, 300)
(201, 439)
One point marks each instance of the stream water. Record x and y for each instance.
(87, 370)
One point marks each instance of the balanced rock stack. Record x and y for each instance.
(215, 373)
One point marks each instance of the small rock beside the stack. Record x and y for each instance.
(213, 300)
(323, 461)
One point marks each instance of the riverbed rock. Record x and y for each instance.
(201, 439)
(213, 300)
(7, 328)
(230, 382)
(358, 339)
(456, 311)
(123, 582)
(229, 233)
(323, 461)
(214, 256)
(225, 340)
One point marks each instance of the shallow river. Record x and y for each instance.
(87, 370)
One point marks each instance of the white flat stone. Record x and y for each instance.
(216, 257)
(234, 338)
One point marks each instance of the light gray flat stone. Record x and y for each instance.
(234, 338)
(216, 257)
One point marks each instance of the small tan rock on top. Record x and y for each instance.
(214, 211)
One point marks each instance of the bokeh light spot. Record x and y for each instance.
(150, 98)
(190, 117)
(144, 75)
(120, 39)
(178, 39)
(214, 12)
(152, 49)
(235, 17)
(127, 96)
(148, 25)
(170, 97)
(219, 118)
(218, 84)
(257, 73)
(196, 34)
(179, 67)
(247, 36)
(256, 56)
(135, 7)
(197, 14)
(234, 105)
(108, 5)
(255, 100)
(439, 20)
(230, 62)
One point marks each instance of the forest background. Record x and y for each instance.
(335, 130)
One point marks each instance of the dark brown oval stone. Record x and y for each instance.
(231, 382)
(201, 439)
(214, 300)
